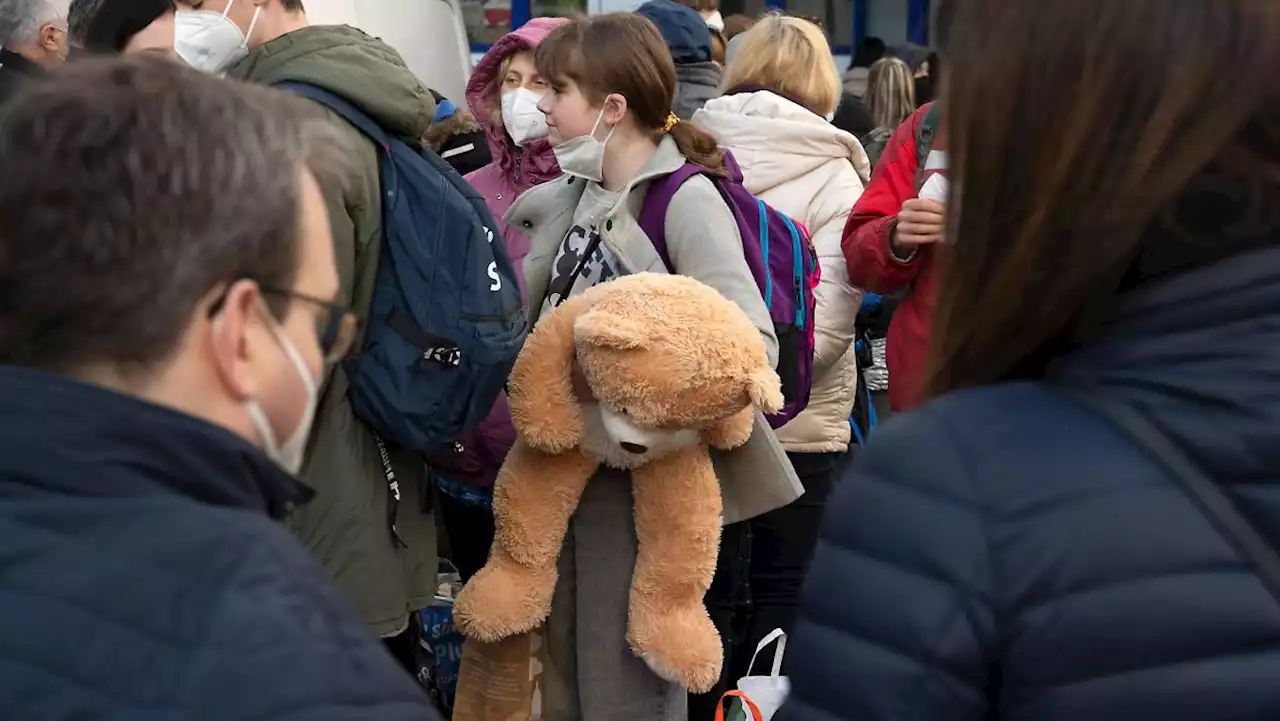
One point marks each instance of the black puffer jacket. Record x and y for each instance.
(15, 71)
(142, 576)
(1005, 554)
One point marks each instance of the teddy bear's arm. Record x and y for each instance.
(733, 431)
(533, 500)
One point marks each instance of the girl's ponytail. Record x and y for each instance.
(697, 146)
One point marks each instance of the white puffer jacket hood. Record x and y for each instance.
(814, 172)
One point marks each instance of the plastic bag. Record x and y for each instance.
(739, 708)
(502, 681)
(767, 692)
(441, 642)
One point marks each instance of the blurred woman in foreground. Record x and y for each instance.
(1026, 545)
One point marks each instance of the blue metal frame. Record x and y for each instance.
(918, 21)
(521, 12)
(859, 21)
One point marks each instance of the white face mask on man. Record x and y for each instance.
(521, 117)
(287, 455)
(583, 156)
(209, 40)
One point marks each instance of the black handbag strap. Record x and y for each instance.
(1212, 500)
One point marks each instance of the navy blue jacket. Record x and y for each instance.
(1005, 554)
(142, 577)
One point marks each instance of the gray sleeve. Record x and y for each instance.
(704, 243)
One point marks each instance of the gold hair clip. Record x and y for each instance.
(671, 122)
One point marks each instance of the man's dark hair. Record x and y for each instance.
(106, 26)
(868, 52)
(292, 4)
(132, 188)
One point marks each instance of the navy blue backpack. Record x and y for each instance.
(447, 320)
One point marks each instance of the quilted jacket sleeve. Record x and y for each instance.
(837, 300)
(897, 621)
(870, 227)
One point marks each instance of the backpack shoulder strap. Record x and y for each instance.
(924, 139)
(1210, 497)
(342, 107)
(653, 211)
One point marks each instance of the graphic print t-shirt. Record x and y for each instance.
(600, 267)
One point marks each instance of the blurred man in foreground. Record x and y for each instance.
(167, 309)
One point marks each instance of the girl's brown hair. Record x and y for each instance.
(624, 53)
(1070, 148)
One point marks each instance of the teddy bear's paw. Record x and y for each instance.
(680, 645)
(502, 601)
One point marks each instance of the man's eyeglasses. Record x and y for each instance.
(336, 325)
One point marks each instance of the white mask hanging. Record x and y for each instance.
(209, 40)
(521, 117)
(583, 156)
(287, 455)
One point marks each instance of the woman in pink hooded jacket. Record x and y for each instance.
(503, 94)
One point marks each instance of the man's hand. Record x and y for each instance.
(920, 222)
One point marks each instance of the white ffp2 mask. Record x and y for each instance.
(209, 40)
(521, 117)
(583, 156)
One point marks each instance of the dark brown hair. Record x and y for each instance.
(1068, 147)
(133, 187)
(624, 53)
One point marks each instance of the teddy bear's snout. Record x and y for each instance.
(635, 448)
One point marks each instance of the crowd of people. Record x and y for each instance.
(1053, 269)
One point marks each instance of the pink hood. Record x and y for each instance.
(536, 162)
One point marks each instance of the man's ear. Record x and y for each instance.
(49, 36)
(229, 315)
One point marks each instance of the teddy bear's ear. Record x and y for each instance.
(608, 330)
(765, 390)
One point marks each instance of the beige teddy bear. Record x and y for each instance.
(675, 368)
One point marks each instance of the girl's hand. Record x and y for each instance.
(581, 387)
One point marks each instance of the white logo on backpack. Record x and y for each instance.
(493, 267)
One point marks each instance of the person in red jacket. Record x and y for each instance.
(888, 246)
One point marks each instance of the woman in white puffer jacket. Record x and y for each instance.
(781, 86)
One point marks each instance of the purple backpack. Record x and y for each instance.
(782, 259)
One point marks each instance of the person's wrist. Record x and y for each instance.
(897, 252)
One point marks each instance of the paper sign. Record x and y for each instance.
(935, 188)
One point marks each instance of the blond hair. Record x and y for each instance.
(791, 56)
(891, 92)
